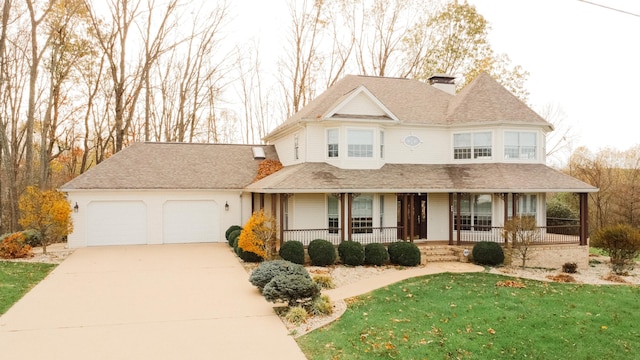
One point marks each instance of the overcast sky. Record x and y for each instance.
(582, 58)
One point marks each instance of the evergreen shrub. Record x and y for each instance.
(321, 252)
(487, 253)
(351, 253)
(231, 229)
(32, 237)
(293, 289)
(267, 270)
(293, 251)
(375, 254)
(404, 253)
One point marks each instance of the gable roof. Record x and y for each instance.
(440, 178)
(411, 101)
(485, 100)
(175, 166)
(415, 102)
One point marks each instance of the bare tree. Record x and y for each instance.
(560, 141)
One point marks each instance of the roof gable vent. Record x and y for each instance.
(258, 153)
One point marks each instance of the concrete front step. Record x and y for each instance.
(442, 253)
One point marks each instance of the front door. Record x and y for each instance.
(412, 216)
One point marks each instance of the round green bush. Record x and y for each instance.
(375, 254)
(230, 229)
(233, 234)
(351, 253)
(293, 251)
(246, 256)
(321, 252)
(404, 253)
(292, 289)
(487, 253)
(32, 237)
(266, 271)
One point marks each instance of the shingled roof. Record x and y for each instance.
(398, 178)
(415, 102)
(174, 166)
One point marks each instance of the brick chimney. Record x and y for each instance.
(446, 83)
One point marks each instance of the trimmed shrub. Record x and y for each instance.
(233, 237)
(293, 289)
(570, 268)
(351, 253)
(14, 246)
(266, 271)
(487, 253)
(321, 252)
(293, 251)
(621, 242)
(227, 234)
(247, 256)
(404, 253)
(375, 254)
(32, 237)
(297, 315)
(324, 281)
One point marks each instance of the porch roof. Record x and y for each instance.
(401, 178)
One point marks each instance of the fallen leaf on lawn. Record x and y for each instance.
(491, 331)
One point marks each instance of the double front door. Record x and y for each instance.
(412, 216)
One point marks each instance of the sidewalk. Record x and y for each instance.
(366, 285)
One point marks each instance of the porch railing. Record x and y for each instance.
(558, 234)
(362, 235)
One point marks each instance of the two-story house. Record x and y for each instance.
(371, 159)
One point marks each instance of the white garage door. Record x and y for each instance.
(117, 223)
(191, 221)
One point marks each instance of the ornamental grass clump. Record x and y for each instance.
(293, 251)
(375, 254)
(266, 271)
(487, 253)
(404, 253)
(297, 315)
(351, 253)
(321, 252)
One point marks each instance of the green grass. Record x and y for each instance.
(466, 316)
(17, 278)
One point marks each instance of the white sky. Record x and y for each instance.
(581, 58)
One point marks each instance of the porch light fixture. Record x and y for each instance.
(76, 207)
(226, 206)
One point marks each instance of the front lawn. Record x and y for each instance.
(450, 316)
(17, 278)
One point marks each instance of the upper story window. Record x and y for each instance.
(381, 144)
(333, 138)
(520, 145)
(296, 153)
(474, 145)
(360, 143)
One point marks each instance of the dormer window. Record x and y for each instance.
(520, 145)
(476, 145)
(360, 143)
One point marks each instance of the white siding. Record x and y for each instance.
(438, 217)
(310, 211)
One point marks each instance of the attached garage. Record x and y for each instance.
(116, 223)
(190, 221)
(164, 193)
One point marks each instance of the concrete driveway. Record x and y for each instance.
(146, 302)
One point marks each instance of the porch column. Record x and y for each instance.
(451, 223)
(405, 214)
(459, 219)
(584, 219)
(261, 201)
(506, 214)
(274, 207)
(281, 216)
(349, 214)
(342, 219)
(412, 217)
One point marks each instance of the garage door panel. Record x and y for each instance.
(194, 221)
(117, 223)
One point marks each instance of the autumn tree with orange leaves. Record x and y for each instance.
(47, 212)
